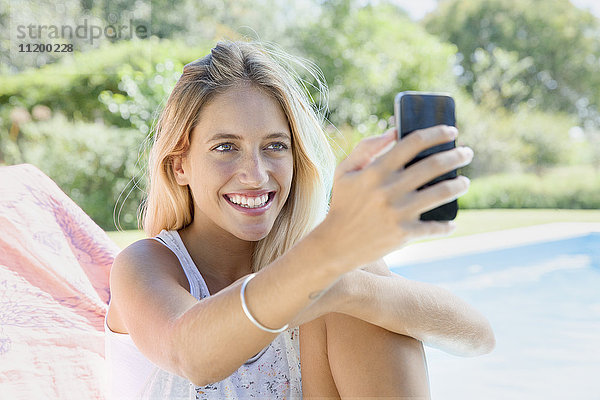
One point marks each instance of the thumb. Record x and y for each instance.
(367, 150)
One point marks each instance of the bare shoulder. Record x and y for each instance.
(149, 291)
(143, 272)
(143, 249)
(147, 259)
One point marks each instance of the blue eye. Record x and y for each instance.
(282, 146)
(224, 144)
(229, 147)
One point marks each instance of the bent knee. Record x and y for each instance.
(317, 381)
(316, 326)
(362, 339)
(313, 340)
(338, 323)
(370, 361)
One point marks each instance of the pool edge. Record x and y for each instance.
(489, 241)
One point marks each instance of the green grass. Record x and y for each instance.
(125, 238)
(468, 222)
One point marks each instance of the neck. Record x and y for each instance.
(218, 255)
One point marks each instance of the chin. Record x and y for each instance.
(251, 235)
(248, 237)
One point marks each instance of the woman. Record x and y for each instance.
(248, 276)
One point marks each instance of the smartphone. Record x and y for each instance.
(420, 110)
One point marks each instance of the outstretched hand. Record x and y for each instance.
(375, 203)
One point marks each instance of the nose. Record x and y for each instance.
(253, 171)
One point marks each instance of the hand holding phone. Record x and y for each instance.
(421, 110)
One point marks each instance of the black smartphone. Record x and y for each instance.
(420, 110)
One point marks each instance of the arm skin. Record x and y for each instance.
(420, 310)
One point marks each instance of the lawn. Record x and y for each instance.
(478, 221)
(469, 221)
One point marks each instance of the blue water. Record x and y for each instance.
(543, 301)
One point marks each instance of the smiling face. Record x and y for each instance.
(240, 152)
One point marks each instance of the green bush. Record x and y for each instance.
(73, 85)
(120, 85)
(575, 187)
(523, 141)
(92, 163)
(487, 133)
(144, 94)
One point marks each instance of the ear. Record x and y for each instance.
(178, 169)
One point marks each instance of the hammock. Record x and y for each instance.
(54, 269)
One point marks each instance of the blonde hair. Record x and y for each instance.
(170, 206)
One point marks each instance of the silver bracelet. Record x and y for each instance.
(247, 312)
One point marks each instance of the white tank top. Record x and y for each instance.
(273, 373)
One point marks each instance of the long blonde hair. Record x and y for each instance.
(170, 206)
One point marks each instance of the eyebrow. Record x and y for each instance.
(222, 135)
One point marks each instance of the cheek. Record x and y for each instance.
(285, 171)
(210, 183)
(221, 172)
(219, 169)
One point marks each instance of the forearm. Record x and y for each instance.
(341, 295)
(426, 312)
(327, 302)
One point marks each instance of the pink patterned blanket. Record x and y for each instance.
(54, 269)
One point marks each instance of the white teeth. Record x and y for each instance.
(249, 202)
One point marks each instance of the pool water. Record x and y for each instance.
(543, 302)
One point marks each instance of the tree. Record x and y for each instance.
(556, 44)
(368, 54)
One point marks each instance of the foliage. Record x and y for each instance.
(495, 146)
(554, 49)
(144, 93)
(187, 20)
(24, 13)
(72, 85)
(576, 187)
(544, 139)
(523, 141)
(367, 55)
(500, 78)
(92, 163)
(523, 74)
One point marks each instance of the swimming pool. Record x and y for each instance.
(542, 299)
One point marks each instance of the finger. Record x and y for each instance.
(436, 195)
(410, 146)
(421, 229)
(367, 150)
(389, 146)
(431, 167)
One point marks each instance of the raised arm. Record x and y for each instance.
(205, 341)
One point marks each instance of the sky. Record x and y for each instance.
(418, 9)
